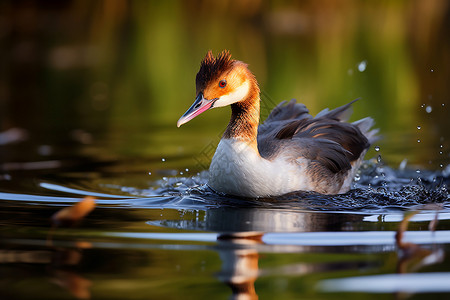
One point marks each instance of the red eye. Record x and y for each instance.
(222, 83)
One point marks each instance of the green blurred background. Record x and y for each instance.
(111, 78)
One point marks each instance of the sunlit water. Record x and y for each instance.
(176, 232)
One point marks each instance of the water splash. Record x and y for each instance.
(376, 187)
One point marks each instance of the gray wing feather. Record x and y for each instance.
(326, 139)
(284, 113)
(281, 115)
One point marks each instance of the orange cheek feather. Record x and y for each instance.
(234, 80)
(212, 92)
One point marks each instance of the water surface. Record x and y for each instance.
(90, 92)
(166, 231)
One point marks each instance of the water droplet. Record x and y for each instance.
(403, 164)
(418, 140)
(441, 165)
(362, 66)
(379, 159)
(443, 104)
(357, 177)
(149, 173)
(418, 171)
(381, 190)
(432, 70)
(377, 148)
(165, 178)
(181, 173)
(440, 152)
(163, 159)
(419, 127)
(428, 109)
(423, 105)
(187, 170)
(441, 146)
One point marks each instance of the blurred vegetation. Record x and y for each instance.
(122, 72)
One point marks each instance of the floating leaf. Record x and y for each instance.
(411, 256)
(73, 214)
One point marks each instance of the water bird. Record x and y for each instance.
(290, 151)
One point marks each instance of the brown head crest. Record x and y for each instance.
(211, 68)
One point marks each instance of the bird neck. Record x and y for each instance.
(244, 120)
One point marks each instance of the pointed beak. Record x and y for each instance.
(200, 105)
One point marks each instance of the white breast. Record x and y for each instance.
(237, 169)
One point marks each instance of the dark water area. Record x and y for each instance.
(90, 93)
(147, 237)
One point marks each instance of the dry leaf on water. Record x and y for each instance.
(73, 214)
(412, 256)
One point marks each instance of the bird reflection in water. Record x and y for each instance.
(240, 263)
(241, 240)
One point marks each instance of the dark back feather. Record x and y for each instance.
(282, 115)
(345, 134)
(324, 139)
(332, 156)
(289, 111)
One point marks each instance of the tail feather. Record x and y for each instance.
(372, 135)
(341, 113)
(365, 125)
